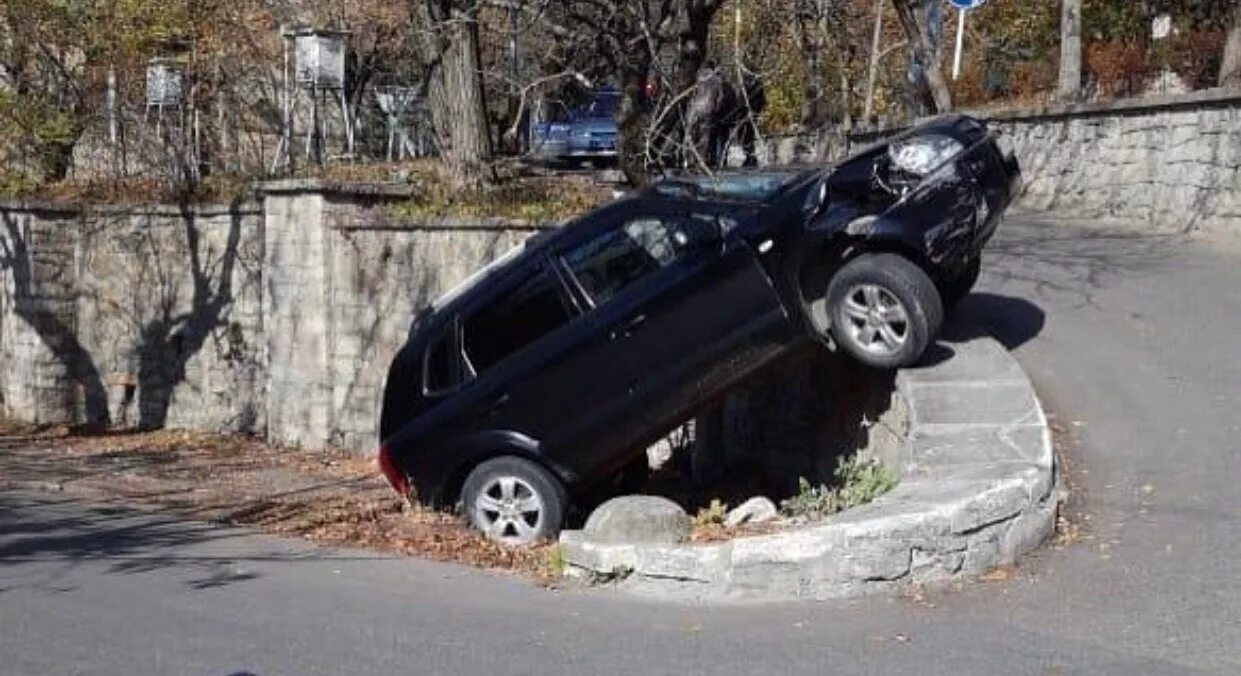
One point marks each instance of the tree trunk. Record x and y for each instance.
(692, 42)
(808, 41)
(458, 106)
(693, 22)
(631, 124)
(1070, 49)
(1230, 69)
(925, 51)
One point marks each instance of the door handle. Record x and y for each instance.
(628, 327)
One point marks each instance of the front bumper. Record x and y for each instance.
(593, 154)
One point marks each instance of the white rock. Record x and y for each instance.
(754, 510)
(638, 518)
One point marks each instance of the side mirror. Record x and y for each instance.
(816, 201)
(698, 231)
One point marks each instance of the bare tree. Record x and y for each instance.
(1070, 49)
(652, 49)
(458, 106)
(1230, 69)
(913, 22)
(810, 31)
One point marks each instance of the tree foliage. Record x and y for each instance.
(483, 64)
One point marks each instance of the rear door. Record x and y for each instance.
(686, 303)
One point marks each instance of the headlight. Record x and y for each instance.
(923, 154)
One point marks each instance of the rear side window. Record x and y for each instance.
(442, 368)
(618, 258)
(514, 320)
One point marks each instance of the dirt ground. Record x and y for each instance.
(331, 497)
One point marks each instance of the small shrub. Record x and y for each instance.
(863, 481)
(811, 501)
(711, 515)
(860, 481)
(556, 563)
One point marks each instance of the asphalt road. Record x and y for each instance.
(1131, 340)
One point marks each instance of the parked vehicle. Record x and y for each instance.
(550, 370)
(587, 132)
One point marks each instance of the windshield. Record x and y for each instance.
(753, 187)
(603, 105)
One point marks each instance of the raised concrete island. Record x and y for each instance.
(978, 490)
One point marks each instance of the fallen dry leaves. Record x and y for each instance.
(331, 497)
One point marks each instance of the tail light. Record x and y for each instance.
(396, 478)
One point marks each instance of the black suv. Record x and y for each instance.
(551, 369)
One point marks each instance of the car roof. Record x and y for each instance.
(744, 186)
(529, 248)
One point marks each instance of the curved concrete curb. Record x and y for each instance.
(977, 491)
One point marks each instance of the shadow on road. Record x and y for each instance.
(66, 532)
(1010, 320)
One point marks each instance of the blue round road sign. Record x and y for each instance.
(967, 4)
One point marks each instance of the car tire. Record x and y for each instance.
(960, 286)
(514, 501)
(884, 310)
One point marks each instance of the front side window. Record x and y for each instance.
(618, 258)
(509, 323)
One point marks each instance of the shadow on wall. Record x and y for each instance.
(170, 339)
(166, 330)
(51, 317)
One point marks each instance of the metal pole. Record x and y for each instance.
(956, 59)
(344, 109)
(513, 56)
(114, 133)
(873, 73)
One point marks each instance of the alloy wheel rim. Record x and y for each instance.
(877, 320)
(509, 510)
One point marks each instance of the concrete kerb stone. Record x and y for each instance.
(977, 491)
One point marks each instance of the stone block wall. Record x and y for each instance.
(278, 318)
(147, 317)
(39, 356)
(1172, 164)
(344, 282)
(380, 278)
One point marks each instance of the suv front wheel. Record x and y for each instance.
(514, 501)
(960, 285)
(884, 310)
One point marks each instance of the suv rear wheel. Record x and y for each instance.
(884, 310)
(514, 501)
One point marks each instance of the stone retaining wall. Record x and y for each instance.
(343, 282)
(1167, 163)
(146, 317)
(277, 318)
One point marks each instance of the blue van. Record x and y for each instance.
(587, 132)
